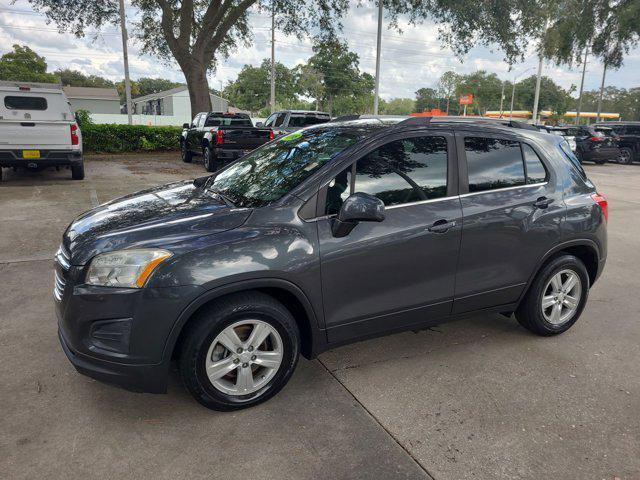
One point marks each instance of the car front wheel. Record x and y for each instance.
(186, 155)
(239, 352)
(209, 160)
(556, 297)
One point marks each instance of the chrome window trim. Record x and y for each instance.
(420, 202)
(528, 185)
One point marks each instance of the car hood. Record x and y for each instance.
(166, 216)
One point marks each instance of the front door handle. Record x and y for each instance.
(441, 226)
(543, 202)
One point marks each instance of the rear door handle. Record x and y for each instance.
(543, 202)
(441, 226)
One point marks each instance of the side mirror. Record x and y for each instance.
(259, 124)
(359, 207)
(186, 126)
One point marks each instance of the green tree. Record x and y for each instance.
(397, 106)
(426, 99)
(310, 83)
(358, 100)
(338, 68)
(251, 89)
(447, 85)
(552, 96)
(147, 85)
(197, 33)
(76, 78)
(24, 65)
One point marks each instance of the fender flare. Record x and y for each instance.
(583, 242)
(316, 339)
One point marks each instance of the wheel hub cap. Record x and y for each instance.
(561, 297)
(244, 357)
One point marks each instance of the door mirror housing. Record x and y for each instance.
(259, 124)
(359, 207)
(186, 126)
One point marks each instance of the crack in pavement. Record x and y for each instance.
(420, 466)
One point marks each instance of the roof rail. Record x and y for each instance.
(416, 121)
(346, 118)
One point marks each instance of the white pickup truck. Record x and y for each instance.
(38, 129)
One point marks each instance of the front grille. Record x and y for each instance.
(63, 261)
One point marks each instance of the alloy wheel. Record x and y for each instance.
(244, 357)
(561, 297)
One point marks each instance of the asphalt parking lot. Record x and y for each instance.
(480, 398)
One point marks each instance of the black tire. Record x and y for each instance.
(529, 313)
(206, 326)
(77, 172)
(600, 162)
(626, 156)
(0, 174)
(186, 155)
(209, 160)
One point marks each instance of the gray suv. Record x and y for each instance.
(329, 235)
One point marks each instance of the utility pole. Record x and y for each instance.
(377, 90)
(584, 71)
(513, 96)
(537, 95)
(125, 53)
(273, 58)
(604, 74)
(502, 100)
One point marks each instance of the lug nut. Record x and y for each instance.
(237, 360)
(251, 349)
(239, 350)
(245, 365)
(253, 357)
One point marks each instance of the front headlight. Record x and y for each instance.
(125, 268)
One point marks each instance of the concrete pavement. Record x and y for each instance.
(480, 398)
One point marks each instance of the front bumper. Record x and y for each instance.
(48, 158)
(118, 335)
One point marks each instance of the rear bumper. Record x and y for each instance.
(48, 158)
(229, 154)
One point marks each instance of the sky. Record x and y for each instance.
(409, 60)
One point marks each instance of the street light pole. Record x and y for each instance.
(502, 100)
(272, 102)
(513, 91)
(584, 70)
(377, 89)
(125, 54)
(537, 95)
(604, 74)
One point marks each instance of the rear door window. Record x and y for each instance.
(493, 163)
(25, 103)
(633, 130)
(226, 121)
(279, 119)
(306, 120)
(536, 173)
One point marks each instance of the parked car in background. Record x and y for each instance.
(337, 233)
(628, 139)
(38, 130)
(288, 121)
(220, 138)
(562, 131)
(594, 144)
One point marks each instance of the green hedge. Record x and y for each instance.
(106, 138)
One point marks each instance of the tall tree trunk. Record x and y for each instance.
(198, 86)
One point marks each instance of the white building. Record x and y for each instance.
(174, 102)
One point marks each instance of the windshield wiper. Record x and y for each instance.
(223, 197)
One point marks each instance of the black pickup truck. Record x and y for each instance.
(221, 138)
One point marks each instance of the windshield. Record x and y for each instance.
(228, 121)
(268, 173)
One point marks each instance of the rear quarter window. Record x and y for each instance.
(14, 102)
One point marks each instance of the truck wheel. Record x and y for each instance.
(209, 160)
(556, 297)
(239, 351)
(77, 172)
(0, 174)
(187, 156)
(626, 156)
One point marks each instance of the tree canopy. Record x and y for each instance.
(25, 65)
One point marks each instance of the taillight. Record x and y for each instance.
(219, 137)
(74, 134)
(271, 135)
(601, 200)
(596, 139)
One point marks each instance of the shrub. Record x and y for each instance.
(83, 117)
(107, 138)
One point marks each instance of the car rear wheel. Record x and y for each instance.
(186, 155)
(556, 298)
(77, 172)
(239, 352)
(626, 156)
(209, 160)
